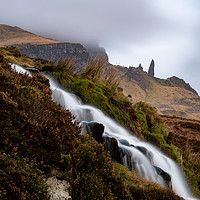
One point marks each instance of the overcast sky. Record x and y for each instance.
(131, 31)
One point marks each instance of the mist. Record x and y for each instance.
(131, 31)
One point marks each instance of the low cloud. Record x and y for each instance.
(132, 31)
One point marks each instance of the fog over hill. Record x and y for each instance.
(132, 32)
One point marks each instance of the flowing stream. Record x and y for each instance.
(144, 164)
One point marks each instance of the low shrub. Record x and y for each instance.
(94, 173)
(20, 179)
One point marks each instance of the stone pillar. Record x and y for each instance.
(151, 69)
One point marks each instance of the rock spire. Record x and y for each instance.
(151, 69)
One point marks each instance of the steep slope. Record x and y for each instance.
(185, 135)
(39, 139)
(10, 35)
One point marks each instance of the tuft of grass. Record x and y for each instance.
(92, 70)
(64, 69)
(111, 80)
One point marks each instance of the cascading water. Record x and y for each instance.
(143, 165)
(146, 164)
(20, 69)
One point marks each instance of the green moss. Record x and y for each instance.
(153, 129)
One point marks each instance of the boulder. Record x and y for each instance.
(95, 129)
(124, 142)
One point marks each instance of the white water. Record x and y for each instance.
(143, 165)
(20, 69)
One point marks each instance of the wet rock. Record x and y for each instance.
(145, 152)
(32, 69)
(111, 145)
(125, 158)
(95, 129)
(166, 177)
(124, 142)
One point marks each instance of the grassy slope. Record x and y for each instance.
(140, 119)
(30, 135)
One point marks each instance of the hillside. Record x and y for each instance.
(170, 97)
(39, 142)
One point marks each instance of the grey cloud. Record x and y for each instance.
(132, 31)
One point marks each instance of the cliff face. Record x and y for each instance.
(55, 51)
(61, 50)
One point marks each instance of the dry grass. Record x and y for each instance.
(93, 68)
(111, 78)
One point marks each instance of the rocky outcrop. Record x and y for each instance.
(151, 68)
(140, 67)
(55, 51)
(137, 74)
(175, 81)
(62, 50)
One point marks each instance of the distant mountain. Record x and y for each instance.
(171, 96)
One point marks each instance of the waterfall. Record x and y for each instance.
(146, 159)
